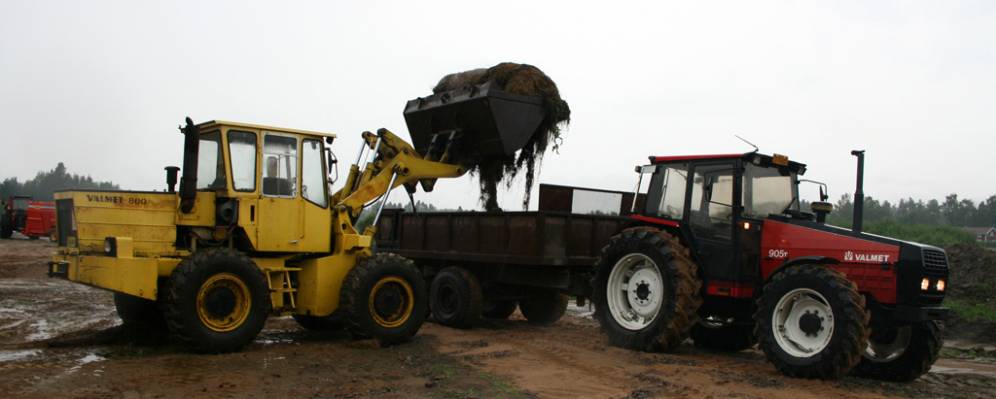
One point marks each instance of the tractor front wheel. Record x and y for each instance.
(901, 354)
(218, 300)
(646, 290)
(811, 322)
(384, 297)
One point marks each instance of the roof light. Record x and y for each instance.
(779, 159)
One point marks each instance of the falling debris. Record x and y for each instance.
(519, 79)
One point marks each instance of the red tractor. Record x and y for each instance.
(723, 253)
(33, 219)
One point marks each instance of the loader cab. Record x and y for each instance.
(718, 203)
(253, 175)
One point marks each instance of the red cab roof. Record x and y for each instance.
(678, 158)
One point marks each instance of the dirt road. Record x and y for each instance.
(62, 340)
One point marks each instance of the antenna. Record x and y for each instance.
(748, 143)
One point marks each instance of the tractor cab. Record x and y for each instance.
(720, 202)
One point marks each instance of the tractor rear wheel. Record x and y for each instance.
(331, 322)
(544, 307)
(218, 300)
(901, 354)
(455, 298)
(811, 322)
(384, 297)
(723, 336)
(646, 290)
(498, 309)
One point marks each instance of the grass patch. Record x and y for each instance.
(972, 311)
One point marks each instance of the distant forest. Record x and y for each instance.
(949, 212)
(44, 184)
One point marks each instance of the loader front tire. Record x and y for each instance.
(218, 300)
(384, 297)
(646, 290)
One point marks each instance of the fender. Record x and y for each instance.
(803, 260)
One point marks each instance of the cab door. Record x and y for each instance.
(280, 227)
(712, 217)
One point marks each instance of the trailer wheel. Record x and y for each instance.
(544, 308)
(455, 298)
(6, 227)
(139, 312)
(901, 354)
(812, 322)
(646, 290)
(498, 309)
(722, 336)
(218, 300)
(384, 297)
(332, 322)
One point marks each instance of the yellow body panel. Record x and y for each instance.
(133, 276)
(148, 218)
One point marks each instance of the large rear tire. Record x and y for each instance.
(723, 337)
(384, 297)
(544, 307)
(646, 290)
(901, 354)
(811, 322)
(218, 300)
(455, 298)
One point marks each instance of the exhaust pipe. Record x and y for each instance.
(859, 193)
(188, 183)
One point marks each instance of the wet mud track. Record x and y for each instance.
(63, 340)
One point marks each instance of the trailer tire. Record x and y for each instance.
(499, 309)
(800, 299)
(661, 257)
(384, 297)
(218, 300)
(139, 312)
(915, 357)
(725, 338)
(6, 227)
(455, 298)
(332, 322)
(544, 308)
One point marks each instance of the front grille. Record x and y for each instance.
(65, 225)
(935, 263)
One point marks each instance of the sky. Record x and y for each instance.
(102, 85)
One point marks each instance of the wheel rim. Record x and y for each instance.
(803, 322)
(391, 302)
(223, 302)
(448, 301)
(882, 349)
(635, 291)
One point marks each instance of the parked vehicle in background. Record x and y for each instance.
(33, 219)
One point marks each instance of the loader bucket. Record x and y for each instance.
(486, 120)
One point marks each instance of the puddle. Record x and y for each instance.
(16, 355)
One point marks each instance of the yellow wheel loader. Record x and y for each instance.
(255, 229)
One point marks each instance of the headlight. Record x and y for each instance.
(925, 284)
(940, 285)
(110, 246)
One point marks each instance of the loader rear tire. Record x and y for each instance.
(139, 312)
(811, 322)
(646, 290)
(728, 337)
(218, 300)
(544, 308)
(455, 298)
(332, 322)
(498, 309)
(906, 353)
(384, 297)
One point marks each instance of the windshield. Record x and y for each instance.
(769, 190)
(210, 163)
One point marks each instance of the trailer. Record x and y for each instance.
(488, 264)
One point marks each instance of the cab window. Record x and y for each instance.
(313, 173)
(280, 166)
(666, 195)
(711, 209)
(242, 150)
(769, 191)
(210, 163)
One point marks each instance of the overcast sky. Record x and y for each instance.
(102, 85)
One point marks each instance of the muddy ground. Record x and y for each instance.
(62, 340)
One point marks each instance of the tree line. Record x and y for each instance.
(952, 211)
(46, 183)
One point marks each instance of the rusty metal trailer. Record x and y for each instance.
(484, 264)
